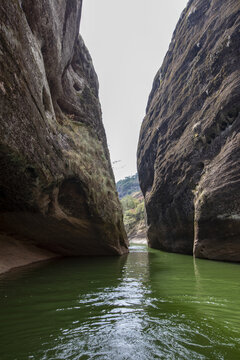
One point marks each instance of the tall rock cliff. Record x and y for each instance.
(57, 189)
(189, 146)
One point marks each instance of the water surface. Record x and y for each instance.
(147, 305)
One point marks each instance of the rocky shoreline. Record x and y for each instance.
(15, 253)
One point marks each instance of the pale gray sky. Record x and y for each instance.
(127, 40)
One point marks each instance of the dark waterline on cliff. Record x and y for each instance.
(147, 305)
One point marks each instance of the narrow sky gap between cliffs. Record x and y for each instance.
(127, 41)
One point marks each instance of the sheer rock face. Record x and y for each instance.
(57, 189)
(189, 146)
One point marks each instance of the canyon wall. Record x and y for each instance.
(57, 189)
(189, 146)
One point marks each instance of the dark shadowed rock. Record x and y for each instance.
(189, 146)
(57, 189)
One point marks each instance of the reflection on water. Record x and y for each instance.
(147, 305)
(198, 300)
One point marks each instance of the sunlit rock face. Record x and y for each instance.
(57, 189)
(189, 146)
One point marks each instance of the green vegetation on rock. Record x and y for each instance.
(133, 207)
(133, 210)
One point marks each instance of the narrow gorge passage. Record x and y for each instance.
(103, 292)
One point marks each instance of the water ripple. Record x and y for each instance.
(141, 307)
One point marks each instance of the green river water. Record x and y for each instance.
(147, 305)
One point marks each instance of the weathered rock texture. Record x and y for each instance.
(57, 189)
(189, 147)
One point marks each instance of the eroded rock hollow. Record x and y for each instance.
(189, 146)
(57, 189)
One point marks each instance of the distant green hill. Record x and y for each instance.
(128, 186)
(133, 207)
